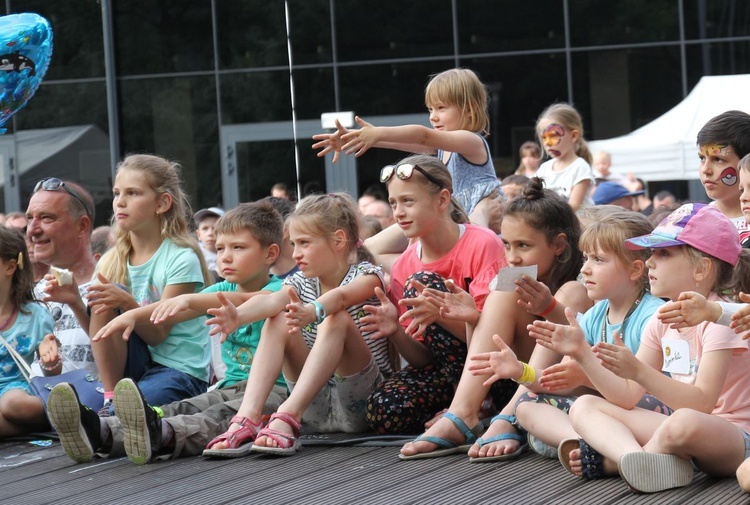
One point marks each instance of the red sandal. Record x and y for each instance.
(240, 441)
(287, 444)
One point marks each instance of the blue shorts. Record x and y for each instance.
(746, 437)
(16, 385)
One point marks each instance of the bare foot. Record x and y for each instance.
(506, 446)
(576, 465)
(429, 424)
(442, 428)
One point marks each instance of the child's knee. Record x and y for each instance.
(743, 475)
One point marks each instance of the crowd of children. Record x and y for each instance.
(619, 347)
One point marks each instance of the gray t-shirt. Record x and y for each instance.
(471, 183)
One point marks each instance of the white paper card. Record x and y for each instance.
(676, 355)
(506, 277)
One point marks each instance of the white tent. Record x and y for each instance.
(665, 149)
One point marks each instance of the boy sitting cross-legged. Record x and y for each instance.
(248, 239)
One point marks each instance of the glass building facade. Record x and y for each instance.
(206, 82)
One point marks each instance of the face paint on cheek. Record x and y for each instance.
(729, 176)
(715, 150)
(552, 135)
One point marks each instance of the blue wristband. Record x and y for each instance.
(320, 311)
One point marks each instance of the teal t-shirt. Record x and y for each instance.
(591, 322)
(238, 350)
(25, 335)
(187, 348)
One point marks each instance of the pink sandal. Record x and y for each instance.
(287, 444)
(240, 441)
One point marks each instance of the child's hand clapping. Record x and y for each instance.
(422, 312)
(382, 319)
(330, 142)
(107, 296)
(502, 364)
(618, 359)
(568, 340)
(298, 314)
(741, 318)
(225, 320)
(533, 296)
(688, 310)
(567, 375)
(124, 324)
(456, 304)
(170, 307)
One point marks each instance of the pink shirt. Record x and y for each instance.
(472, 263)
(733, 403)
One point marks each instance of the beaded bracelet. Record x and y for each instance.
(49, 368)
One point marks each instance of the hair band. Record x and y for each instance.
(19, 260)
(359, 243)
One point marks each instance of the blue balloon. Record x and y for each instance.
(25, 52)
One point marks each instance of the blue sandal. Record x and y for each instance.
(520, 437)
(447, 447)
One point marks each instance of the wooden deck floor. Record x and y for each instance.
(320, 475)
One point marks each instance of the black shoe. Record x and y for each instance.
(77, 425)
(141, 422)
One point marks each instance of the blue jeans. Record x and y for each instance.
(159, 384)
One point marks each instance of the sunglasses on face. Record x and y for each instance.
(405, 172)
(55, 184)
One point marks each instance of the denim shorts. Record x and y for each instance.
(746, 437)
(341, 404)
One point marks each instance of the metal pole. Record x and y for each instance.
(111, 81)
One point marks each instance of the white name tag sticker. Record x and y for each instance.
(507, 277)
(676, 354)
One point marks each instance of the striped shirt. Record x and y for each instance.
(309, 291)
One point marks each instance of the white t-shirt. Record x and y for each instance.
(76, 345)
(562, 182)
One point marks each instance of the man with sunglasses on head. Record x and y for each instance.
(60, 219)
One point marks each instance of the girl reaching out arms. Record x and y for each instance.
(568, 173)
(314, 334)
(694, 248)
(457, 102)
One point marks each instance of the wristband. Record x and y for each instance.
(49, 368)
(528, 376)
(549, 308)
(320, 311)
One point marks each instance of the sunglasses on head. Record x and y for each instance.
(405, 172)
(55, 184)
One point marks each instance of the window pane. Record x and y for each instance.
(716, 18)
(619, 91)
(162, 36)
(510, 25)
(175, 118)
(390, 29)
(256, 97)
(717, 59)
(78, 50)
(603, 22)
(253, 33)
(65, 105)
(374, 90)
(260, 165)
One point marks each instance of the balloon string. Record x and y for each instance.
(291, 93)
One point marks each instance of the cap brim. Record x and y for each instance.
(652, 241)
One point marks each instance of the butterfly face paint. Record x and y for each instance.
(729, 176)
(552, 135)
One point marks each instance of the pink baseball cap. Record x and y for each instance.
(698, 225)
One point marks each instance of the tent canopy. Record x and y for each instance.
(665, 149)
